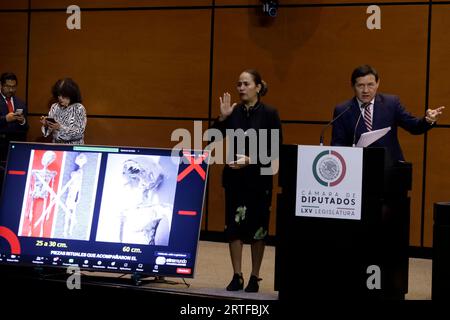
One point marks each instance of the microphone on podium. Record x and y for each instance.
(331, 122)
(363, 106)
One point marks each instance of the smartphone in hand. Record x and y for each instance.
(19, 112)
(50, 120)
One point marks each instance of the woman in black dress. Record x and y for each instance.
(248, 192)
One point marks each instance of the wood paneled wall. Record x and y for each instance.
(147, 67)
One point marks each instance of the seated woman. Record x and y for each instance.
(66, 120)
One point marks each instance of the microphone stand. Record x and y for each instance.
(363, 106)
(330, 123)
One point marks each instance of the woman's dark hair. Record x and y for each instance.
(363, 71)
(7, 76)
(258, 80)
(67, 88)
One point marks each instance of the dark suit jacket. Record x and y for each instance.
(11, 131)
(387, 112)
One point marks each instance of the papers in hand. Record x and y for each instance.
(367, 138)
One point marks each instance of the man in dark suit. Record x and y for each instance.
(13, 112)
(370, 110)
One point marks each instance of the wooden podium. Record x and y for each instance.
(328, 258)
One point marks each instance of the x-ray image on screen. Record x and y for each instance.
(138, 198)
(77, 195)
(59, 201)
(43, 181)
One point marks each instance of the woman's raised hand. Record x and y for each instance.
(225, 106)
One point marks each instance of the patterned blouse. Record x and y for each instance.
(73, 123)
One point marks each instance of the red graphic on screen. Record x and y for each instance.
(184, 270)
(44, 176)
(187, 213)
(194, 164)
(11, 238)
(17, 172)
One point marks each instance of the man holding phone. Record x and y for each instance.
(13, 111)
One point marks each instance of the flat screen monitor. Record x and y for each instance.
(102, 208)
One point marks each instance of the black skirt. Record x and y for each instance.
(248, 198)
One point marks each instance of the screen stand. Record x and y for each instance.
(39, 272)
(44, 273)
(139, 280)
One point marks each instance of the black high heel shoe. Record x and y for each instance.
(237, 283)
(253, 285)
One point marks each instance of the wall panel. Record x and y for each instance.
(52, 4)
(308, 54)
(13, 53)
(216, 205)
(147, 63)
(440, 60)
(13, 4)
(307, 2)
